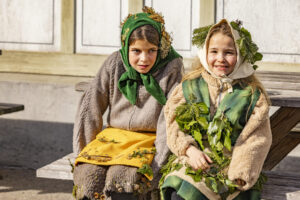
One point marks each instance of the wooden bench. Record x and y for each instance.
(281, 186)
(284, 91)
(59, 169)
(6, 108)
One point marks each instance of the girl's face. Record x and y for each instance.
(221, 54)
(142, 55)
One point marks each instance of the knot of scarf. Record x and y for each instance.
(128, 84)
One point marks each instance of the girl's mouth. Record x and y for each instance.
(221, 67)
(143, 66)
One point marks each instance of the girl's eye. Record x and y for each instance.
(212, 51)
(152, 50)
(229, 53)
(135, 50)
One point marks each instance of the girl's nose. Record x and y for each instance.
(220, 57)
(144, 56)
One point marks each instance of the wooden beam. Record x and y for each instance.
(67, 26)
(10, 108)
(282, 122)
(279, 151)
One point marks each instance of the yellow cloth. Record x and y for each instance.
(115, 146)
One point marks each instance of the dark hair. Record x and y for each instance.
(146, 32)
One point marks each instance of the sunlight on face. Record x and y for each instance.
(142, 55)
(221, 54)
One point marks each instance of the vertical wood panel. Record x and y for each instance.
(98, 25)
(181, 18)
(32, 25)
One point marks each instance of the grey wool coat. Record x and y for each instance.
(145, 116)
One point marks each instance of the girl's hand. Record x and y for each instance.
(240, 182)
(198, 159)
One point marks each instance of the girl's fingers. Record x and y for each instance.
(207, 158)
(204, 164)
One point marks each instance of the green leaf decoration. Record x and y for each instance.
(248, 49)
(199, 35)
(212, 184)
(192, 119)
(146, 169)
(196, 175)
(198, 137)
(169, 167)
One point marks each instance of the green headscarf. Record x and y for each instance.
(128, 81)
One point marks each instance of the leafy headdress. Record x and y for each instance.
(128, 81)
(247, 50)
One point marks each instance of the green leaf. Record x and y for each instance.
(202, 107)
(199, 35)
(212, 127)
(258, 56)
(234, 25)
(227, 142)
(189, 125)
(196, 175)
(212, 184)
(219, 146)
(178, 166)
(246, 33)
(203, 122)
(198, 137)
(145, 169)
(247, 47)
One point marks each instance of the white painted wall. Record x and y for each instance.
(274, 25)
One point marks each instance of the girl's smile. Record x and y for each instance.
(221, 54)
(142, 55)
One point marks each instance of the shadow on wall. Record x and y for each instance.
(33, 144)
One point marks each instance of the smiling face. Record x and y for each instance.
(221, 54)
(142, 55)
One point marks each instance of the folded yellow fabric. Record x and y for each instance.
(115, 146)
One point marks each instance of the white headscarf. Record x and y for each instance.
(241, 69)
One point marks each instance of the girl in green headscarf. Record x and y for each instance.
(218, 125)
(123, 160)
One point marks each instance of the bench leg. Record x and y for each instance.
(282, 122)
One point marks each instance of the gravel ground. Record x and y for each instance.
(22, 184)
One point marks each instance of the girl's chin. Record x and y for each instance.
(220, 73)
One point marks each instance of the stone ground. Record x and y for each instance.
(28, 145)
(22, 184)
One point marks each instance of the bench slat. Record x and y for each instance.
(59, 169)
(281, 186)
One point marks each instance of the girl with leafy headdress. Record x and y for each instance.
(218, 126)
(123, 160)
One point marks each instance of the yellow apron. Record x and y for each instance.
(114, 146)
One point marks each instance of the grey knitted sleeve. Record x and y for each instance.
(174, 74)
(93, 103)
